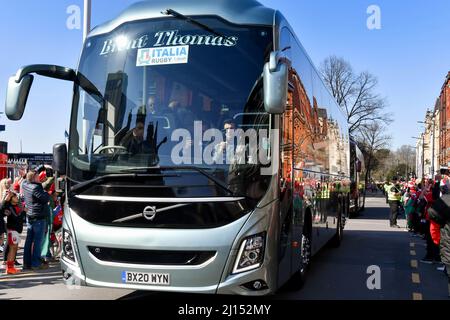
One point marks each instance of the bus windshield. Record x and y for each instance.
(164, 89)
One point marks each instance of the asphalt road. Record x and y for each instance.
(343, 273)
(336, 273)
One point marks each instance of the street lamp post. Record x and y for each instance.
(432, 148)
(86, 18)
(423, 156)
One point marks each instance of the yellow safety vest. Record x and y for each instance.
(391, 193)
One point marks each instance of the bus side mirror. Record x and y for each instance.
(60, 184)
(59, 158)
(17, 96)
(275, 84)
(19, 86)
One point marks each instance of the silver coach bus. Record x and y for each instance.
(138, 217)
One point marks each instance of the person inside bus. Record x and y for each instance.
(184, 116)
(150, 108)
(133, 141)
(223, 148)
(153, 108)
(227, 151)
(165, 116)
(181, 106)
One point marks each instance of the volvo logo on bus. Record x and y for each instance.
(149, 213)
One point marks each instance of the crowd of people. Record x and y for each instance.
(29, 200)
(426, 206)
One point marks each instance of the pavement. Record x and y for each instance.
(48, 285)
(374, 262)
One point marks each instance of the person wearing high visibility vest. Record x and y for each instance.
(394, 197)
(325, 191)
(386, 187)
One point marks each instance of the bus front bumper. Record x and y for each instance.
(213, 276)
(239, 284)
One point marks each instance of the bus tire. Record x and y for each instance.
(337, 238)
(351, 212)
(299, 278)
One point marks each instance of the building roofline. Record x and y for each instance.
(446, 82)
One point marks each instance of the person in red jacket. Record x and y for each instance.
(15, 219)
(432, 255)
(435, 228)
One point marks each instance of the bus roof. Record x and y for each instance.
(249, 12)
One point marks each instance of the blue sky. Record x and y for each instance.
(410, 55)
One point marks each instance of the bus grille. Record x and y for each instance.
(151, 257)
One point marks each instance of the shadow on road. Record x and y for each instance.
(28, 279)
(341, 273)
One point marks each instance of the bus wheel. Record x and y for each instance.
(337, 239)
(299, 278)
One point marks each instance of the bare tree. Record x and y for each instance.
(355, 93)
(372, 138)
(406, 155)
(387, 163)
(381, 164)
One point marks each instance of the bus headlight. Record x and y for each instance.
(251, 253)
(68, 247)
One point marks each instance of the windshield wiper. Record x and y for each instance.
(99, 179)
(89, 88)
(173, 13)
(87, 183)
(199, 170)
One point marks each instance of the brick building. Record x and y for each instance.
(444, 123)
(437, 134)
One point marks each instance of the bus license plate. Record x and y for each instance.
(146, 278)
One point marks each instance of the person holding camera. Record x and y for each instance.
(36, 201)
(15, 218)
(4, 191)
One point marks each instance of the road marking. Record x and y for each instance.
(412, 252)
(415, 278)
(412, 244)
(414, 264)
(417, 296)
